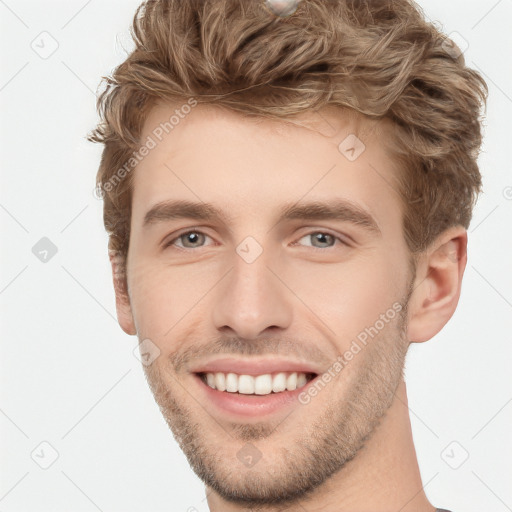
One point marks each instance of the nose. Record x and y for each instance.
(251, 299)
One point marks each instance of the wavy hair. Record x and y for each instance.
(378, 58)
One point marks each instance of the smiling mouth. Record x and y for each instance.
(265, 384)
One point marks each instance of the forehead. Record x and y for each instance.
(252, 165)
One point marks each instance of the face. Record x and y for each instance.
(274, 253)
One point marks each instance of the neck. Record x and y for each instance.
(383, 477)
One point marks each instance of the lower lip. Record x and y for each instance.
(251, 405)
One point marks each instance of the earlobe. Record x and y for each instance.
(123, 306)
(437, 285)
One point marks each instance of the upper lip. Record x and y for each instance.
(254, 366)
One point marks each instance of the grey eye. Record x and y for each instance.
(192, 239)
(321, 238)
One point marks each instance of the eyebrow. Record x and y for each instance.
(334, 209)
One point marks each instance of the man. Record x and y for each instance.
(287, 190)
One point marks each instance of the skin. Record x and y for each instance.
(350, 448)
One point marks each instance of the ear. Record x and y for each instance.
(437, 284)
(123, 307)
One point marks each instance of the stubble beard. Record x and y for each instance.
(307, 461)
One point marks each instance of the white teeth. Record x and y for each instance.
(220, 381)
(231, 382)
(263, 384)
(301, 379)
(246, 384)
(210, 379)
(279, 382)
(291, 382)
(259, 385)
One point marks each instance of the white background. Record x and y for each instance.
(68, 373)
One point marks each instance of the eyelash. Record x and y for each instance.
(336, 238)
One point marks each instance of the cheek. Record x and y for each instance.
(162, 295)
(350, 296)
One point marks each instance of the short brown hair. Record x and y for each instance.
(379, 58)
